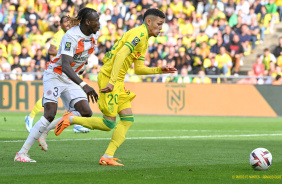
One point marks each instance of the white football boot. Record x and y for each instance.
(80, 129)
(23, 157)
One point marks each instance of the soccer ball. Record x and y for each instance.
(260, 159)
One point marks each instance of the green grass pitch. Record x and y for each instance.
(159, 149)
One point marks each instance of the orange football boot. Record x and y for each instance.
(109, 161)
(63, 123)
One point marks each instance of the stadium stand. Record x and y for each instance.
(192, 36)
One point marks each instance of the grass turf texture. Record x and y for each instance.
(159, 149)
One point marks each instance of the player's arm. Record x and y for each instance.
(67, 69)
(141, 69)
(119, 59)
(68, 49)
(52, 50)
(54, 45)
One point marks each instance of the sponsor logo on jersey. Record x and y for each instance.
(78, 57)
(67, 46)
(86, 40)
(135, 41)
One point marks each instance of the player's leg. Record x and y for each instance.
(29, 118)
(118, 137)
(70, 96)
(107, 104)
(43, 138)
(106, 123)
(126, 120)
(52, 89)
(81, 105)
(81, 109)
(50, 109)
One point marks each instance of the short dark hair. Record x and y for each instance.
(155, 12)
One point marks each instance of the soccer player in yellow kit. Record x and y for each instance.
(114, 98)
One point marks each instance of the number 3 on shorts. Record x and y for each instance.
(110, 96)
(56, 92)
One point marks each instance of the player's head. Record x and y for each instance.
(65, 24)
(154, 19)
(88, 18)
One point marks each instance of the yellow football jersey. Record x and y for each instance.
(136, 40)
(57, 38)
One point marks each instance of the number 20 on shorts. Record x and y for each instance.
(113, 99)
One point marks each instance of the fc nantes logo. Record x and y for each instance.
(135, 41)
(176, 98)
(110, 109)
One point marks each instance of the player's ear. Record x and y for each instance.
(87, 22)
(148, 21)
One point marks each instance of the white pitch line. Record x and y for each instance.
(183, 130)
(156, 138)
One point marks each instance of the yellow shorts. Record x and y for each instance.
(110, 104)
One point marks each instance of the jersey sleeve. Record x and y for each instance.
(55, 41)
(141, 69)
(68, 45)
(119, 59)
(134, 40)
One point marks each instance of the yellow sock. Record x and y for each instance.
(118, 136)
(37, 108)
(92, 123)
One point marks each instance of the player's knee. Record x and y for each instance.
(49, 116)
(110, 124)
(127, 119)
(83, 108)
(86, 113)
(50, 110)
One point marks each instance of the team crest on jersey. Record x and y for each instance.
(135, 41)
(67, 46)
(49, 92)
(137, 55)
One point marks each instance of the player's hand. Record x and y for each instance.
(167, 69)
(108, 88)
(90, 92)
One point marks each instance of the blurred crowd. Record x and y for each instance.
(202, 37)
(267, 64)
